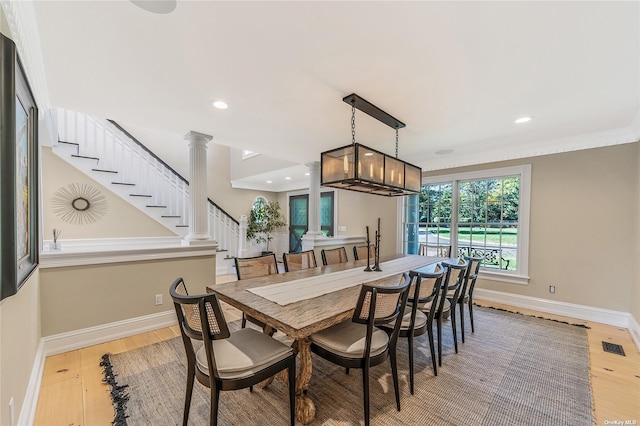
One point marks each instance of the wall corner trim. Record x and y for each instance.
(634, 330)
(30, 402)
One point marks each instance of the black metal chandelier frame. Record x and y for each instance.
(356, 167)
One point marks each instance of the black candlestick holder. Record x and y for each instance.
(368, 268)
(376, 266)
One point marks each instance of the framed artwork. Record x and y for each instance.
(18, 173)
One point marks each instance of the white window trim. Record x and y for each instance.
(521, 276)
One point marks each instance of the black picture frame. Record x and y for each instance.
(19, 230)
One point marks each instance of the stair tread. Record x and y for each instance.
(70, 143)
(103, 170)
(164, 207)
(123, 183)
(85, 156)
(169, 216)
(140, 195)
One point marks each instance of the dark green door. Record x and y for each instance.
(298, 221)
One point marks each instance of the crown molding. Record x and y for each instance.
(623, 135)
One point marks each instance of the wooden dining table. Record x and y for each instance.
(299, 319)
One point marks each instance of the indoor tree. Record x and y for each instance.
(264, 220)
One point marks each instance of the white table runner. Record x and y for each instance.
(308, 288)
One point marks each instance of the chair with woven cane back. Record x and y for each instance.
(299, 261)
(334, 256)
(438, 250)
(227, 360)
(466, 292)
(359, 343)
(360, 252)
(424, 289)
(254, 267)
(454, 270)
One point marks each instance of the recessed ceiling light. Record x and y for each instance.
(444, 151)
(307, 174)
(288, 178)
(220, 105)
(269, 181)
(522, 120)
(368, 154)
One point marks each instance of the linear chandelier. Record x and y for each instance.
(359, 168)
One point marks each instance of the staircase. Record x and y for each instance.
(110, 155)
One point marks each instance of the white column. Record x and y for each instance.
(242, 244)
(199, 211)
(314, 198)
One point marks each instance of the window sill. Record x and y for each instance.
(495, 275)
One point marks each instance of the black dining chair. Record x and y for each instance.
(334, 256)
(227, 360)
(254, 267)
(359, 343)
(360, 252)
(299, 261)
(466, 292)
(424, 289)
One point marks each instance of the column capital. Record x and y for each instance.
(193, 136)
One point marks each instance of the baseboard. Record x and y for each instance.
(78, 339)
(590, 313)
(30, 403)
(634, 329)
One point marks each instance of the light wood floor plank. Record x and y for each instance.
(61, 404)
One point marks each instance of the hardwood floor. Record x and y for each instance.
(72, 392)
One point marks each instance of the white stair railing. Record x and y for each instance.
(116, 150)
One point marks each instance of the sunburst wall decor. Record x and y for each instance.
(79, 204)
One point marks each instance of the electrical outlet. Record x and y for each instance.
(552, 289)
(158, 299)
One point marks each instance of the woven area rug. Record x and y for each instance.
(514, 370)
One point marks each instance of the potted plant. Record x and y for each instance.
(264, 220)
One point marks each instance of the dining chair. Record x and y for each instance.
(359, 343)
(360, 252)
(299, 261)
(227, 360)
(438, 250)
(334, 256)
(453, 274)
(254, 267)
(466, 292)
(424, 289)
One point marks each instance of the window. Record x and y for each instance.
(248, 154)
(484, 213)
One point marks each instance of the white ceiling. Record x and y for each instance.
(457, 73)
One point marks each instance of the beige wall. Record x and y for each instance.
(58, 174)
(357, 210)
(78, 297)
(583, 227)
(236, 202)
(635, 289)
(19, 338)
(19, 331)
